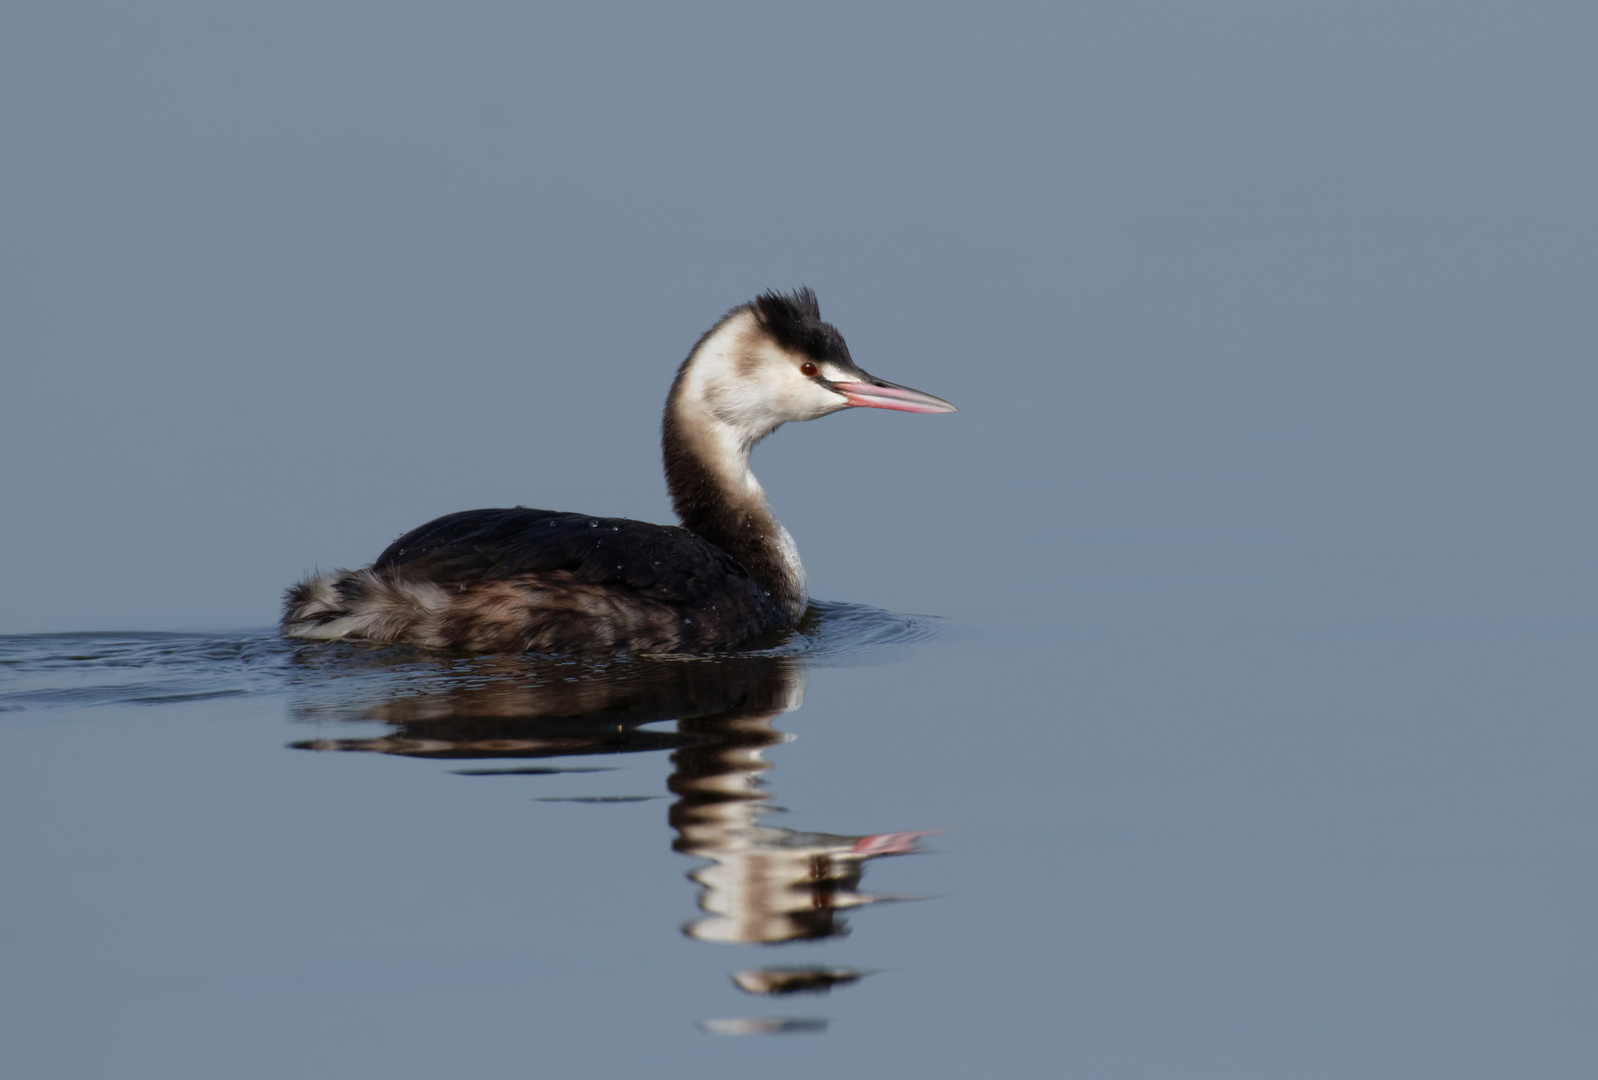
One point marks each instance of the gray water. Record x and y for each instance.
(1142, 850)
(1212, 696)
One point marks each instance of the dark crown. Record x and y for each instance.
(794, 320)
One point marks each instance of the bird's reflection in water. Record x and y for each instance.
(764, 884)
(761, 884)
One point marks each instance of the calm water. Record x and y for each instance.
(915, 846)
(1248, 733)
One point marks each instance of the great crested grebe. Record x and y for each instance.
(542, 581)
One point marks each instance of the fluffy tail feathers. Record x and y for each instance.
(361, 604)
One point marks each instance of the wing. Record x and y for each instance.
(492, 545)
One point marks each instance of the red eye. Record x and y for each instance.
(808, 370)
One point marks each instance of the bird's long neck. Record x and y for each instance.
(717, 496)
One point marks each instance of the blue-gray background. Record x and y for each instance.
(284, 280)
(1272, 330)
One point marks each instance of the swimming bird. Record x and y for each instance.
(523, 580)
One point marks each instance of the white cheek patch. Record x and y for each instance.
(754, 403)
(752, 386)
(819, 401)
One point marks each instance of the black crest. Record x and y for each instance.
(794, 319)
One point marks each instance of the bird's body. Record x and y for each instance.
(523, 580)
(520, 580)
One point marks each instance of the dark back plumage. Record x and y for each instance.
(475, 546)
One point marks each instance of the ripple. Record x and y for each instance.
(52, 671)
(44, 671)
(839, 634)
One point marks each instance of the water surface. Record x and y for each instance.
(1270, 846)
